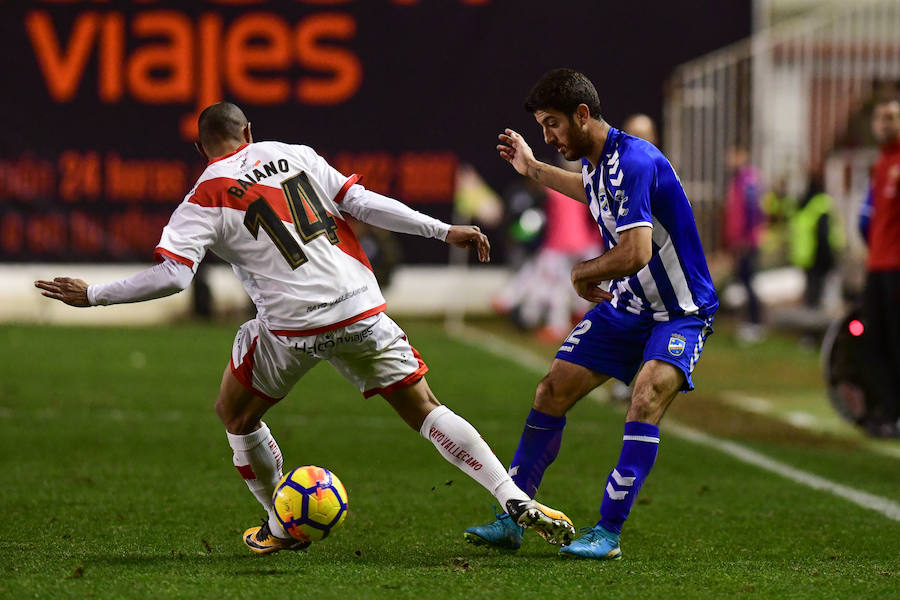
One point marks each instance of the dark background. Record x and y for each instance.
(439, 78)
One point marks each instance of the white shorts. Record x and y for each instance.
(373, 354)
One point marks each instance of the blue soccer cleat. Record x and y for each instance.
(596, 543)
(503, 533)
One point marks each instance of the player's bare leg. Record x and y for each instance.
(656, 386)
(413, 403)
(563, 386)
(239, 409)
(461, 445)
(256, 457)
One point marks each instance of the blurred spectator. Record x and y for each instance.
(572, 236)
(881, 298)
(525, 219)
(525, 223)
(865, 216)
(541, 295)
(642, 126)
(816, 236)
(777, 205)
(473, 199)
(743, 226)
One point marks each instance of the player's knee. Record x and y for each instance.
(221, 411)
(236, 422)
(655, 389)
(647, 401)
(549, 398)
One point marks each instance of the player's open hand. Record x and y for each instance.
(515, 150)
(65, 289)
(468, 236)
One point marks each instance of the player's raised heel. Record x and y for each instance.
(596, 543)
(503, 533)
(551, 524)
(261, 540)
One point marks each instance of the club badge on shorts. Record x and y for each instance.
(676, 345)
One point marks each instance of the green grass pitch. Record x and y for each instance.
(117, 482)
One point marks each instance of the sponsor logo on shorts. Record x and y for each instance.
(329, 341)
(677, 344)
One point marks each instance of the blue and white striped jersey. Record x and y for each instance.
(634, 185)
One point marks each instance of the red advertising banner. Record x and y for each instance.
(102, 97)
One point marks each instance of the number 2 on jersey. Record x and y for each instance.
(309, 215)
(573, 340)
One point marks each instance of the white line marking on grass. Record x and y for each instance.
(798, 418)
(749, 403)
(499, 347)
(883, 447)
(803, 420)
(886, 507)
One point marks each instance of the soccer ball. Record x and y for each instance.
(310, 502)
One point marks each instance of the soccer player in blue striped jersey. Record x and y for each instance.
(655, 300)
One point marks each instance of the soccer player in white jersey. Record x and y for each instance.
(274, 211)
(656, 300)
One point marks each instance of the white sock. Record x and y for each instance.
(258, 460)
(461, 444)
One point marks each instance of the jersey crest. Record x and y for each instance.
(676, 344)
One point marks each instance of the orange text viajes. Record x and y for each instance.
(165, 57)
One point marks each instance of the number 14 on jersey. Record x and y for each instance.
(309, 215)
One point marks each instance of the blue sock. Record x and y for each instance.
(538, 447)
(639, 447)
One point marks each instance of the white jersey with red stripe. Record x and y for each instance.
(272, 211)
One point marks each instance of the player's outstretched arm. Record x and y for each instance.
(470, 236)
(164, 279)
(515, 150)
(387, 213)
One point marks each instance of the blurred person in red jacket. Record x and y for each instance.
(742, 232)
(881, 298)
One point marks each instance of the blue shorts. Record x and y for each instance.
(616, 343)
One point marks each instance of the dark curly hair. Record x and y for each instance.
(563, 90)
